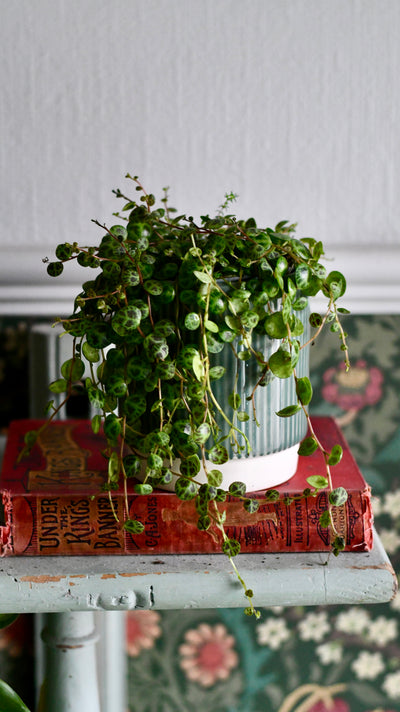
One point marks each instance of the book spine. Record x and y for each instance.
(79, 524)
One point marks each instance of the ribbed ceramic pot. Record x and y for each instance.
(274, 442)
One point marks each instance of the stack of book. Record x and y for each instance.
(53, 503)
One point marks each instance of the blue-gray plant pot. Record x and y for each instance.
(273, 440)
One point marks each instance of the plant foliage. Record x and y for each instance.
(164, 294)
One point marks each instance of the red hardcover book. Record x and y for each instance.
(53, 503)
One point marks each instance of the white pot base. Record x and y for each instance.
(257, 473)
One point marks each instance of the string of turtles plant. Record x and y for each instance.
(171, 293)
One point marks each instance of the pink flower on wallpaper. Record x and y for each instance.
(331, 705)
(142, 628)
(351, 391)
(207, 656)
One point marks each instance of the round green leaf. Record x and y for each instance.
(97, 336)
(190, 466)
(325, 519)
(30, 437)
(58, 386)
(133, 526)
(132, 465)
(185, 489)
(338, 545)
(126, 320)
(272, 495)
(302, 276)
(203, 523)
(234, 400)
(112, 426)
(211, 326)
(280, 363)
(203, 277)
(130, 277)
(214, 346)
(156, 347)
(163, 478)
(217, 303)
(90, 353)
(96, 423)
(54, 269)
(237, 489)
(153, 286)
(242, 416)
(317, 481)
(137, 369)
(336, 284)
(96, 397)
(338, 496)
(335, 455)
(304, 390)
(202, 433)
(216, 372)
(116, 386)
(143, 488)
(249, 319)
(231, 547)
(251, 505)
(214, 478)
(154, 461)
(165, 370)
(198, 367)
(244, 355)
(308, 446)
(207, 492)
(192, 321)
(64, 251)
(315, 320)
(288, 411)
(218, 454)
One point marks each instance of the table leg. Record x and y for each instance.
(70, 683)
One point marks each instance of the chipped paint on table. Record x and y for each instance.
(56, 584)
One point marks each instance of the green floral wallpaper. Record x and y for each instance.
(330, 659)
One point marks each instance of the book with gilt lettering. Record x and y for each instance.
(53, 503)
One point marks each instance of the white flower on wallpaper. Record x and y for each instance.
(391, 685)
(273, 633)
(390, 540)
(391, 504)
(330, 652)
(353, 621)
(314, 626)
(382, 630)
(367, 666)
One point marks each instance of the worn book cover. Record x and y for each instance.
(53, 503)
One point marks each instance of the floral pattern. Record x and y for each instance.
(207, 654)
(142, 628)
(354, 389)
(296, 659)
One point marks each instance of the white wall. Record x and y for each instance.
(293, 104)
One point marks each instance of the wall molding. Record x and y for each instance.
(373, 282)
